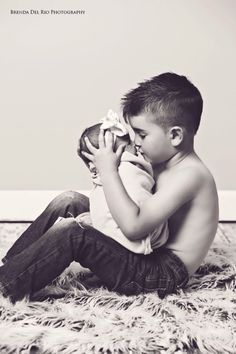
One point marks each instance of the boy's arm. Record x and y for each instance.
(136, 222)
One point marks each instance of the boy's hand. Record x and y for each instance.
(104, 158)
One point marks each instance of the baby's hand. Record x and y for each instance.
(131, 148)
(84, 220)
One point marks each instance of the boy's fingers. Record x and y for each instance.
(109, 140)
(91, 148)
(101, 139)
(90, 157)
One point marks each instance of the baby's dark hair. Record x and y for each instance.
(171, 98)
(92, 133)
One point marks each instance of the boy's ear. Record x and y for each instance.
(176, 135)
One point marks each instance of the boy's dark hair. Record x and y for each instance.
(171, 98)
(92, 133)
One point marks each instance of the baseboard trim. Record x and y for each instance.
(25, 206)
(227, 204)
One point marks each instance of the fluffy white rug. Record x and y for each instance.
(200, 319)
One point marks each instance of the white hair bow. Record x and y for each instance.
(113, 123)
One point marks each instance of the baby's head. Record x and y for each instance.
(169, 99)
(92, 133)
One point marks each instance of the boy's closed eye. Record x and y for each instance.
(141, 133)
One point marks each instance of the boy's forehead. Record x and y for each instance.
(142, 121)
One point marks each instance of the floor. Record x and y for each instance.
(227, 229)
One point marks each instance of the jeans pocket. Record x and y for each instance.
(135, 288)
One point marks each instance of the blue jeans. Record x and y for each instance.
(45, 249)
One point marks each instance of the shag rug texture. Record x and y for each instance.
(77, 315)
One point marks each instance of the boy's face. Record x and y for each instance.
(151, 139)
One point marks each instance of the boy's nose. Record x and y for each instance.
(137, 141)
(137, 144)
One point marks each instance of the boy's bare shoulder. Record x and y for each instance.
(191, 171)
(188, 180)
(196, 170)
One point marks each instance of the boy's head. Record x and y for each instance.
(92, 133)
(170, 99)
(165, 114)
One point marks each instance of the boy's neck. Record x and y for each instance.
(180, 155)
(175, 160)
(178, 158)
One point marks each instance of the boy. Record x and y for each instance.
(164, 113)
(136, 175)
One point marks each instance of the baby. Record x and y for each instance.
(137, 176)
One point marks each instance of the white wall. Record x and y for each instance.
(60, 73)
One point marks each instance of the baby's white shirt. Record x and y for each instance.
(137, 177)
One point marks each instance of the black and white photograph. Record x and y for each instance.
(118, 178)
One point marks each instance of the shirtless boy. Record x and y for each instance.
(164, 113)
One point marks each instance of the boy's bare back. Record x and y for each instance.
(193, 226)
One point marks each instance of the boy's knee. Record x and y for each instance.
(70, 201)
(67, 197)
